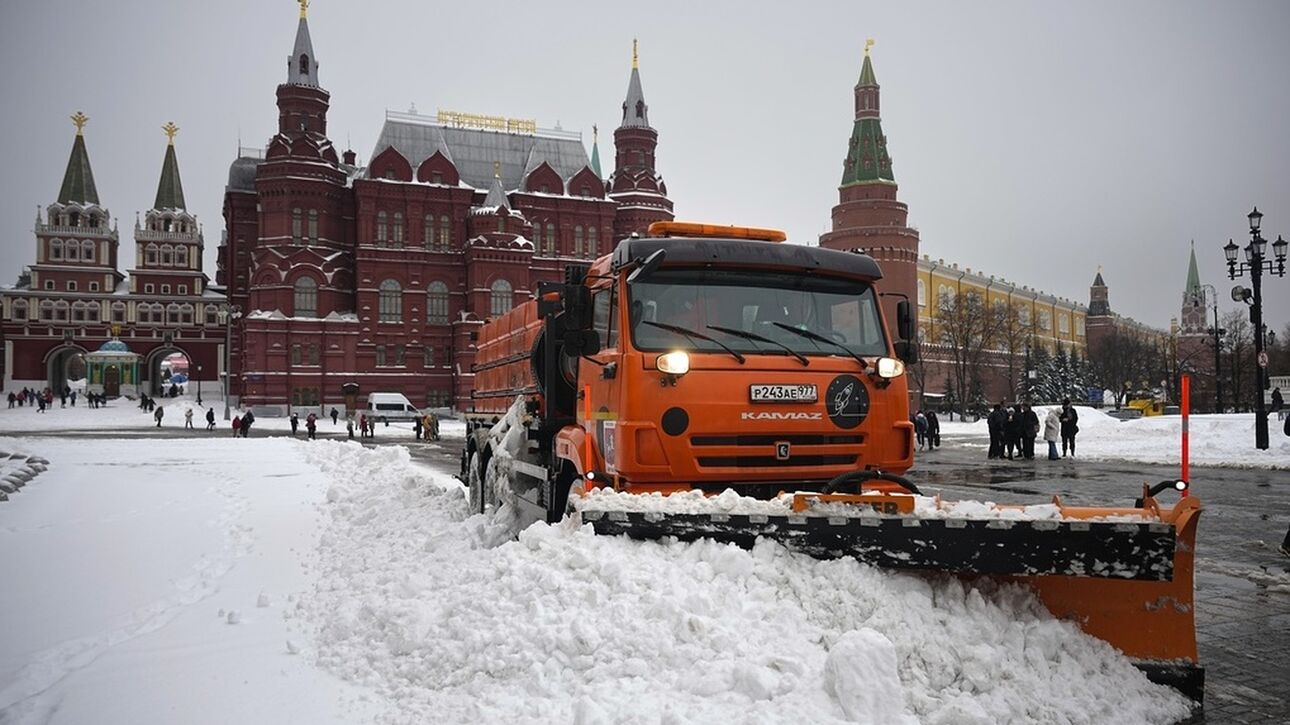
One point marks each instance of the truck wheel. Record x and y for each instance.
(475, 483)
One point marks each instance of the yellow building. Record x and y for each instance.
(1055, 320)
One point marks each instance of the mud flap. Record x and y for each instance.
(1128, 551)
(1185, 677)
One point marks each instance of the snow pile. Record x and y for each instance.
(1215, 440)
(562, 625)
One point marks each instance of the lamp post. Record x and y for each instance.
(229, 313)
(199, 385)
(1218, 333)
(1256, 265)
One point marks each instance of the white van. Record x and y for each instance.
(385, 407)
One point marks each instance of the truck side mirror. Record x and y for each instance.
(907, 352)
(581, 343)
(904, 321)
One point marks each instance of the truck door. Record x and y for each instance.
(603, 377)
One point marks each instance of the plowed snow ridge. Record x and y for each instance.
(564, 626)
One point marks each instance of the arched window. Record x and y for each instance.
(150, 254)
(502, 297)
(592, 241)
(295, 225)
(550, 238)
(80, 312)
(118, 312)
(56, 249)
(306, 298)
(72, 250)
(391, 302)
(398, 229)
(87, 251)
(501, 224)
(428, 231)
(640, 109)
(314, 355)
(445, 233)
(437, 303)
(304, 64)
(577, 240)
(181, 256)
(313, 225)
(47, 310)
(60, 310)
(19, 312)
(167, 255)
(922, 294)
(172, 313)
(382, 227)
(186, 314)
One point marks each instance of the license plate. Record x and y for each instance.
(783, 393)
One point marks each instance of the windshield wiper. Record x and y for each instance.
(692, 334)
(821, 338)
(759, 338)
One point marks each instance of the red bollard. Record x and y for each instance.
(1186, 448)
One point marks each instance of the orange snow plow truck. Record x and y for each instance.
(709, 358)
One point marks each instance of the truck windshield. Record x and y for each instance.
(760, 302)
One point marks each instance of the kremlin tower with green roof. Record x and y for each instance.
(869, 216)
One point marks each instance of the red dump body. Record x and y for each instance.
(503, 365)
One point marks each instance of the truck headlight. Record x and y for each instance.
(674, 363)
(890, 367)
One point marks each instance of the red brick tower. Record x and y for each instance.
(636, 185)
(868, 216)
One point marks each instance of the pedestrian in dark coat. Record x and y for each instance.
(920, 429)
(933, 430)
(12, 399)
(995, 422)
(311, 426)
(210, 419)
(416, 427)
(1277, 400)
(237, 426)
(247, 419)
(1029, 431)
(161, 411)
(295, 423)
(334, 415)
(1069, 419)
(1012, 432)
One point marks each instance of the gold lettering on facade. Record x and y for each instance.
(457, 119)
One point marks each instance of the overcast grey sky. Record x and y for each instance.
(1034, 141)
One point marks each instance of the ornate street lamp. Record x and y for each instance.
(199, 385)
(1256, 265)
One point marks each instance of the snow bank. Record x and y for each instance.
(562, 625)
(1216, 440)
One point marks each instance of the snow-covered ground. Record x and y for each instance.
(280, 580)
(1216, 440)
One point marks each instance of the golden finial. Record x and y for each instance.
(635, 58)
(79, 120)
(868, 43)
(304, 8)
(497, 169)
(170, 129)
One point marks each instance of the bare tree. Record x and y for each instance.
(1240, 355)
(1015, 333)
(1123, 361)
(966, 328)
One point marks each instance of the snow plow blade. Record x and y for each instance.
(960, 546)
(1123, 575)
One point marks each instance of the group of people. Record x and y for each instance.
(311, 424)
(241, 424)
(1013, 431)
(927, 428)
(426, 427)
(39, 399)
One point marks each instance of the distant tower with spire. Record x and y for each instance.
(869, 216)
(1195, 301)
(636, 185)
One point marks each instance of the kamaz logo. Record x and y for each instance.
(780, 416)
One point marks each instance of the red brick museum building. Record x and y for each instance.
(377, 276)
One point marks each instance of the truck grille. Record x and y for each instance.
(796, 461)
(770, 440)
